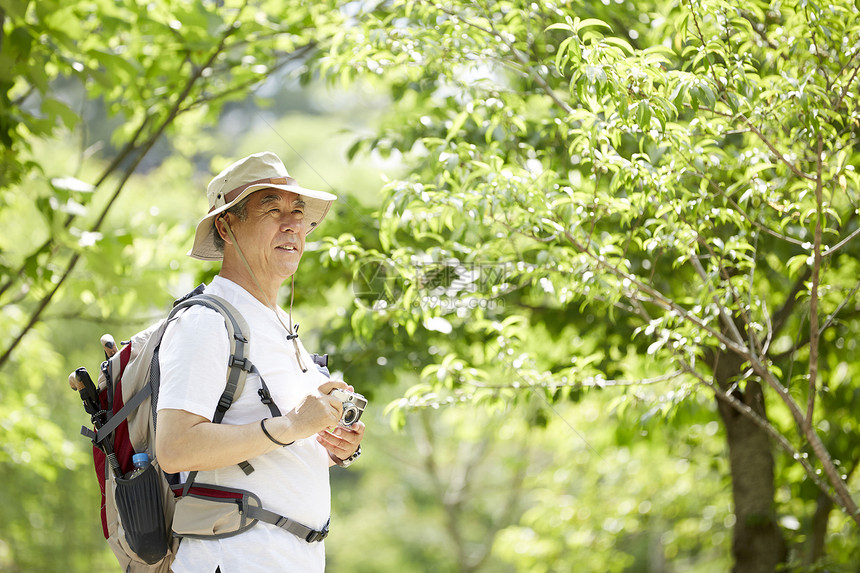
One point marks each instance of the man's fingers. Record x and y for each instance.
(331, 410)
(338, 446)
(331, 385)
(342, 442)
(337, 407)
(316, 413)
(349, 437)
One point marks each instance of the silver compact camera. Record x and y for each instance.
(353, 406)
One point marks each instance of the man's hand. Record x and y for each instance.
(341, 442)
(316, 413)
(187, 442)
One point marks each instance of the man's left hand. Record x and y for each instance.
(342, 442)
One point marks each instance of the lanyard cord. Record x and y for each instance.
(291, 334)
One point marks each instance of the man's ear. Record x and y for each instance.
(221, 225)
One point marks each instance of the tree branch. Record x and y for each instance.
(520, 57)
(841, 243)
(794, 169)
(728, 321)
(43, 303)
(780, 317)
(845, 501)
(720, 191)
(839, 308)
(763, 424)
(127, 150)
(590, 382)
(746, 15)
(813, 295)
(820, 451)
(246, 86)
(658, 298)
(847, 85)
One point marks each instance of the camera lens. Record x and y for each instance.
(350, 414)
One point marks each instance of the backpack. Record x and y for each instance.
(145, 516)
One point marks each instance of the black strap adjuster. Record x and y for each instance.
(241, 363)
(224, 403)
(265, 397)
(315, 536)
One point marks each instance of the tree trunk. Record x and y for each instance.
(757, 543)
(818, 529)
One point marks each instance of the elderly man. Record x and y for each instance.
(257, 223)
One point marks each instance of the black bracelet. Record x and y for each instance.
(268, 435)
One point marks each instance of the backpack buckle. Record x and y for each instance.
(241, 363)
(265, 397)
(315, 536)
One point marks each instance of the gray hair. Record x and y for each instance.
(240, 210)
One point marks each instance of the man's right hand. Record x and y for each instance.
(314, 414)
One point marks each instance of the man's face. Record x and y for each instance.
(272, 237)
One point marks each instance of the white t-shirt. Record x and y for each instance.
(292, 481)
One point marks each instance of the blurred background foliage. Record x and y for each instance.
(525, 415)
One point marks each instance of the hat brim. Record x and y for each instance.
(317, 204)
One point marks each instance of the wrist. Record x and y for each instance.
(276, 438)
(345, 463)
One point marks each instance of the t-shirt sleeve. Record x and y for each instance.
(193, 359)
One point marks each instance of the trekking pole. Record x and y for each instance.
(89, 395)
(109, 345)
(80, 380)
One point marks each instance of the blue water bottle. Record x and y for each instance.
(141, 462)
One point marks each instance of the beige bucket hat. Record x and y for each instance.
(253, 173)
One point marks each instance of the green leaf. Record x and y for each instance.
(621, 43)
(456, 124)
(57, 110)
(707, 94)
(796, 263)
(563, 54)
(589, 23)
(71, 184)
(123, 69)
(560, 26)
(595, 75)
(643, 115)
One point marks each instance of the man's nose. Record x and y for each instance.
(292, 222)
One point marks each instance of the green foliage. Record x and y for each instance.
(592, 203)
(95, 207)
(668, 183)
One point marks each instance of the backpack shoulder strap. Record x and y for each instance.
(238, 362)
(239, 365)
